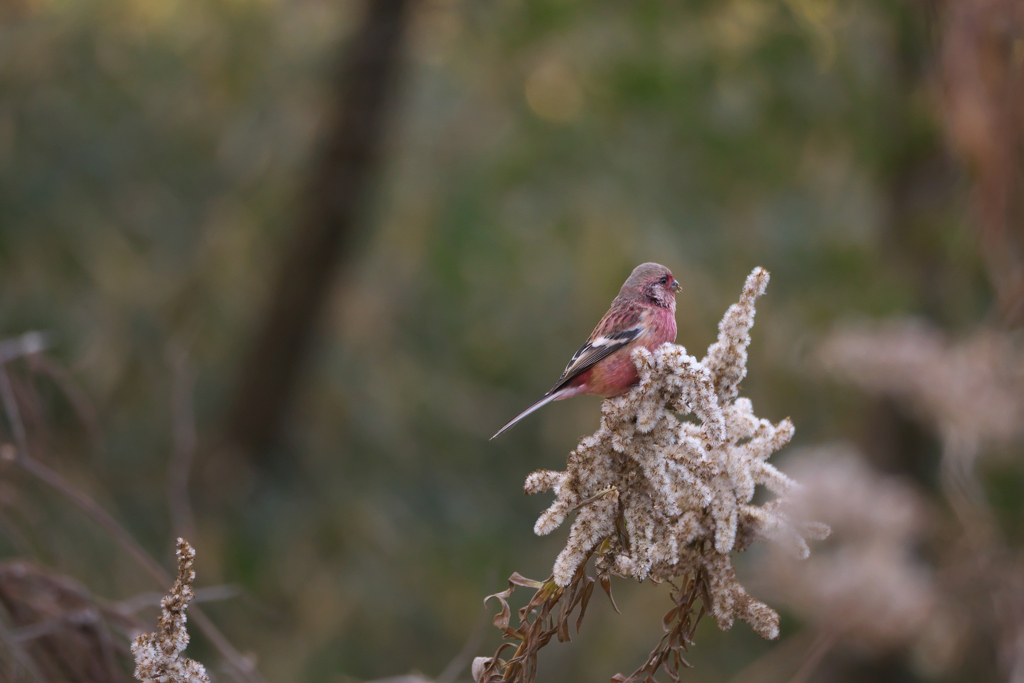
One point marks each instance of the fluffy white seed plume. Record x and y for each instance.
(971, 388)
(868, 586)
(158, 655)
(665, 497)
(969, 391)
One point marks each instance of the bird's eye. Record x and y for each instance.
(663, 280)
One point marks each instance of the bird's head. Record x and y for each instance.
(653, 284)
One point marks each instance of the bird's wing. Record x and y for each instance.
(615, 330)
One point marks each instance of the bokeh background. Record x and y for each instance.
(502, 167)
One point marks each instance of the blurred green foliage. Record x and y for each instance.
(151, 155)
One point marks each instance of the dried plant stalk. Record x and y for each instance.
(59, 630)
(240, 667)
(679, 624)
(158, 655)
(661, 498)
(536, 633)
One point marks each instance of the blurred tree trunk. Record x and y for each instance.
(981, 65)
(974, 52)
(337, 195)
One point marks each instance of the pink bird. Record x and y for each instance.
(643, 314)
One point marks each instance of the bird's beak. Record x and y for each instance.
(676, 286)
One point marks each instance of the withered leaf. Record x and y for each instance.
(586, 593)
(606, 584)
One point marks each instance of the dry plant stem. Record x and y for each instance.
(821, 646)
(460, 661)
(18, 652)
(773, 665)
(963, 489)
(27, 633)
(158, 655)
(97, 513)
(240, 667)
(679, 624)
(45, 628)
(674, 498)
(139, 602)
(534, 635)
(66, 631)
(14, 534)
(14, 416)
(661, 498)
(107, 646)
(75, 395)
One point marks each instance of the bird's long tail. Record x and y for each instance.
(547, 398)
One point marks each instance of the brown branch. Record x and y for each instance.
(534, 634)
(679, 625)
(337, 194)
(62, 628)
(465, 656)
(18, 651)
(21, 452)
(821, 646)
(141, 601)
(774, 664)
(75, 395)
(14, 535)
(240, 666)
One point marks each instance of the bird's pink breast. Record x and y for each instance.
(614, 375)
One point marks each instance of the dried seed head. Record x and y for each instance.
(970, 388)
(675, 497)
(868, 585)
(158, 655)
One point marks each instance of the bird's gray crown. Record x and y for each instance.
(642, 274)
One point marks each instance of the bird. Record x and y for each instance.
(643, 314)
